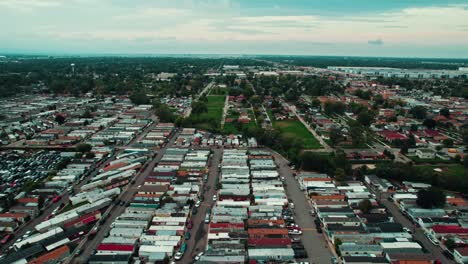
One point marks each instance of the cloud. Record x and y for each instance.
(376, 42)
(29, 5)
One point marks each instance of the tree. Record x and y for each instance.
(365, 118)
(431, 198)
(139, 97)
(60, 119)
(334, 108)
(465, 162)
(340, 175)
(357, 136)
(445, 112)
(199, 107)
(311, 161)
(411, 140)
(365, 206)
(335, 136)
(90, 155)
(429, 123)
(418, 112)
(83, 148)
(450, 244)
(164, 113)
(448, 142)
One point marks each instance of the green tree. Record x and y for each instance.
(448, 142)
(429, 123)
(164, 113)
(365, 118)
(83, 148)
(340, 175)
(199, 107)
(335, 136)
(357, 136)
(60, 119)
(365, 206)
(334, 108)
(139, 97)
(445, 112)
(450, 244)
(418, 112)
(431, 198)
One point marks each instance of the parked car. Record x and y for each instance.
(198, 256)
(178, 255)
(197, 204)
(187, 236)
(56, 198)
(6, 238)
(295, 232)
(215, 197)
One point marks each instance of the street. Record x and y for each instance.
(199, 233)
(418, 233)
(314, 242)
(115, 210)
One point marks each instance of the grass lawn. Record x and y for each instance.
(215, 107)
(295, 128)
(454, 173)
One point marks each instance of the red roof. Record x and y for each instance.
(392, 135)
(449, 229)
(115, 247)
(52, 256)
(269, 241)
(28, 200)
(227, 225)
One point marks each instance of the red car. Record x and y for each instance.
(56, 198)
(49, 217)
(190, 224)
(6, 238)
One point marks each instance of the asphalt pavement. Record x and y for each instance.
(315, 244)
(418, 232)
(198, 235)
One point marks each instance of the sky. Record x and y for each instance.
(389, 28)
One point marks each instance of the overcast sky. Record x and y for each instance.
(416, 28)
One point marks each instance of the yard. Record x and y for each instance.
(296, 129)
(451, 177)
(235, 128)
(211, 119)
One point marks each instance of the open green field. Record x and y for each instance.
(296, 129)
(215, 107)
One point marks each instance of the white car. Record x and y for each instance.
(197, 204)
(295, 232)
(178, 255)
(407, 230)
(198, 256)
(215, 197)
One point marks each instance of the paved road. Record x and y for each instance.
(188, 111)
(199, 233)
(116, 210)
(418, 233)
(225, 109)
(314, 242)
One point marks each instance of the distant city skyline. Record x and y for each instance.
(434, 29)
